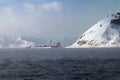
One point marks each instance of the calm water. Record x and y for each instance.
(60, 64)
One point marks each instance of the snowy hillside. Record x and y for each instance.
(14, 42)
(105, 33)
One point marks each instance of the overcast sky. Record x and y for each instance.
(52, 18)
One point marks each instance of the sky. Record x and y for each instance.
(52, 18)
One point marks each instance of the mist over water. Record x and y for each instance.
(61, 53)
(60, 64)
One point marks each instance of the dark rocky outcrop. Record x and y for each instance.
(116, 21)
(81, 42)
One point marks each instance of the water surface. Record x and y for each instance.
(60, 64)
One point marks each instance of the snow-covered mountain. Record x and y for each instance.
(14, 42)
(105, 33)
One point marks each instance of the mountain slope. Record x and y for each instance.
(14, 42)
(105, 33)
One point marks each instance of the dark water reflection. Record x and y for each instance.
(60, 64)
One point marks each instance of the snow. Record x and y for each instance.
(14, 42)
(105, 33)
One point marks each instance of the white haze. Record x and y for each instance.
(56, 19)
(28, 19)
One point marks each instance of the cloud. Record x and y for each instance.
(54, 6)
(29, 6)
(47, 20)
(30, 19)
